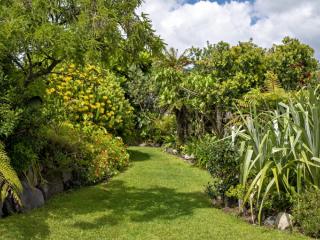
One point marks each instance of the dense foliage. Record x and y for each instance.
(81, 78)
(307, 212)
(68, 62)
(92, 95)
(90, 152)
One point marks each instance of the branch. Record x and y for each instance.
(42, 72)
(18, 63)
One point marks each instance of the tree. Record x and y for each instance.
(221, 75)
(37, 35)
(170, 73)
(293, 62)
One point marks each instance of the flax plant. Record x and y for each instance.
(281, 150)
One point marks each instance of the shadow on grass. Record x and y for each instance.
(142, 205)
(137, 156)
(108, 205)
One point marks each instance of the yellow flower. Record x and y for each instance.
(68, 78)
(50, 90)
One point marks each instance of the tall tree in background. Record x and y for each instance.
(37, 35)
(170, 75)
(293, 62)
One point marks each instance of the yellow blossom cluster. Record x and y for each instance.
(91, 94)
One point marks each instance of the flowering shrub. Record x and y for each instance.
(90, 152)
(92, 95)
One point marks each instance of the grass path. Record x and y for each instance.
(158, 197)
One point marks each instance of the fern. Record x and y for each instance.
(9, 181)
(272, 83)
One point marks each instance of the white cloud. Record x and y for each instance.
(183, 25)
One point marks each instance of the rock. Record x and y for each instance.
(174, 151)
(188, 157)
(31, 197)
(45, 190)
(217, 202)
(283, 221)
(270, 221)
(54, 184)
(66, 176)
(142, 145)
(169, 150)
(1, 211)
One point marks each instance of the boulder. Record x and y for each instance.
(45, 190)
(54, 184)
(31, 197)
(1, 211)
(283, 221)
(66, 176)
(270, 221)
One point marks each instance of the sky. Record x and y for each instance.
(186, 23)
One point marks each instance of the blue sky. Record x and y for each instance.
(185, 23)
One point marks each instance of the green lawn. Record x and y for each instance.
(158, 197)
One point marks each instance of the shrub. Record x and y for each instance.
(223, 163)
(202, 149)
(156, 128)
(91, 152)
(306, 212)
(94, 95)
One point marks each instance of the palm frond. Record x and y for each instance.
(9, 181)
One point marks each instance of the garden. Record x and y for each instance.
(107, 133)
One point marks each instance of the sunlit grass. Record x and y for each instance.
(158, 197)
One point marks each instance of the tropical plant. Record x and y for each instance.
(282, 150)
(170, 72)
(267, 97)
(9, 181)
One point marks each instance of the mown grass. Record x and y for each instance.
(158, 197)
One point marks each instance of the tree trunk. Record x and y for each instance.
(182, 124)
